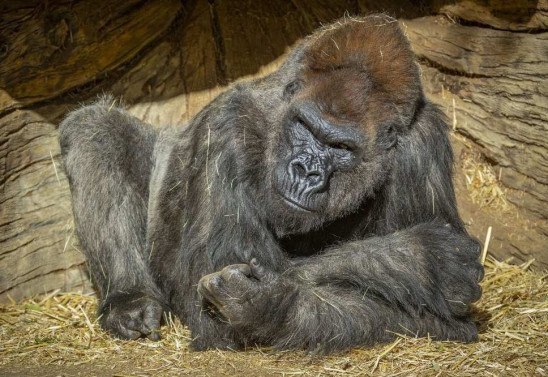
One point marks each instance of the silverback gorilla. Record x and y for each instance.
(312, 208)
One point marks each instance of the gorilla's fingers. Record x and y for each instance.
(480, 274)
(146, 321)
(154, 335)
(259, 271)
(123, 332)
(123, 327)
(152, 317)
(207, 285)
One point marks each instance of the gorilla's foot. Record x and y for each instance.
(132, 315)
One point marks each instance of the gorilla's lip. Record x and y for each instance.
(296, 205)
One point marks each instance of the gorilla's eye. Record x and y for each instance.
(291, 88)
(299, 121)
(340, 146)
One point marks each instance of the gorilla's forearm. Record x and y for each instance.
(431, 266)
(327, 319)
(419, 281)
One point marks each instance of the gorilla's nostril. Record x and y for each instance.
(300, 170)
(314, 177)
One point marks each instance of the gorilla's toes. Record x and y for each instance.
(132, 316)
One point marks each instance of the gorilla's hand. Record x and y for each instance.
(458, 269)
(131, 315)
(243, 294)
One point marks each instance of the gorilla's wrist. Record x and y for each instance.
(270, 315)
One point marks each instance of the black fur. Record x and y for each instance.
(194, 220)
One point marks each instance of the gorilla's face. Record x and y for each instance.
(313, 148)
(331, 152)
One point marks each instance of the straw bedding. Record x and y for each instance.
(58, 335)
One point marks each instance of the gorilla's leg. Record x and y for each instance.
(108, 159)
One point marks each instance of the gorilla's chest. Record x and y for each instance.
(310, 243)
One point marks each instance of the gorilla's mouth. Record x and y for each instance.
(294, 204)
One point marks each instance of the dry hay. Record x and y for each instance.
(58, 334)
(482, 182)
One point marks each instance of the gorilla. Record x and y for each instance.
(309, 209)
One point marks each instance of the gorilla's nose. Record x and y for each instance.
(313, 176)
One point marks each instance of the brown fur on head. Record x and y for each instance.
(362, 69)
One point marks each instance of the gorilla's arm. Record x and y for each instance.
(107, 155)
(430, 266)
(418, 281)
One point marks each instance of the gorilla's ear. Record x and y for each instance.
(374, 45)
(387, 135)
